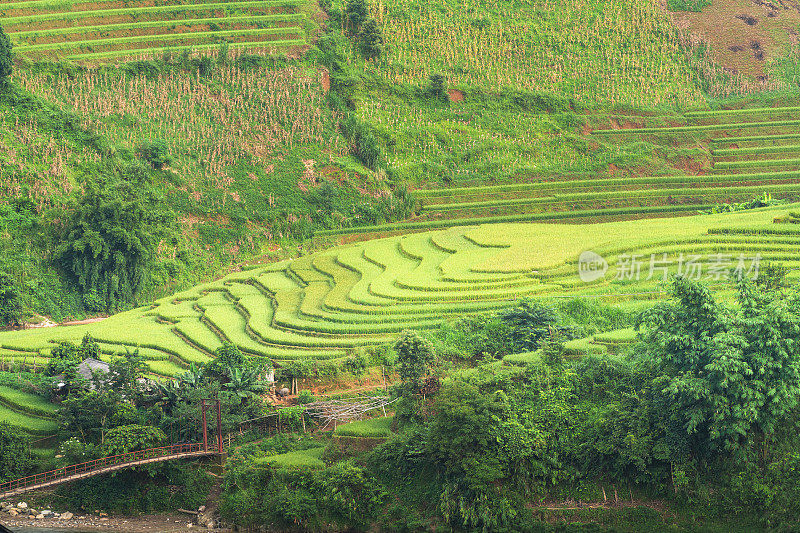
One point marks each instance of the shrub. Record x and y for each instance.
(14, 457)
(342, 497)
(414, 354)
(373, 428)
(205, 66)
(155, 152)
(305, 396)
(355, 364)
(437, 87)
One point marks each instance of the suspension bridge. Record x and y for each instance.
(113, 463)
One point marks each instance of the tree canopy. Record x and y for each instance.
(109, 245)
(414, 354)
(732, 372)
(10, 301)
(14, 456)
(6, 63)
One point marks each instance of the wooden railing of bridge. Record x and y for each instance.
(104, 465)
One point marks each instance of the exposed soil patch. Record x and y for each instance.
(326, 81)
(455, 95)
(730, 26)
(625, 125)
(691, 166)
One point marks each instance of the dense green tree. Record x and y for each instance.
(732, 373)
(531, 323)
(371, 39)
(355, 14)
(414, 354)
(155, 152)
(124, 439)
(226, 357)
(109, 245)
(437, 87)
(205, 67)
(341, 497)
(126, 372)
(474, 442)
(10, 301)
(6, 63)
(65, 357)
(89, 413)
(14, 453)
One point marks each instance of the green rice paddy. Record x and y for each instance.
(323, 305)
(102, 30)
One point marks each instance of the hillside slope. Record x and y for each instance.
(250, 150)
(324, 305)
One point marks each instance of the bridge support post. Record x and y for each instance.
(220, 445)
(205, 426)
(209, 402)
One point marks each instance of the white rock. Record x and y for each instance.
(39, 516)
(22, 505)
(66, 516)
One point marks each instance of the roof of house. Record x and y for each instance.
(89, 366)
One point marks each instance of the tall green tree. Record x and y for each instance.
(10, 301)
(371, 39)
(733, 373)
(14, 453)
(414, 354)
(355, 14)
(109, 245)
(6, 64)
(89, 413)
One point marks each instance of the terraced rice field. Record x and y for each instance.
(753, 151)
(103, 29)
(28, 412)
(321, 306)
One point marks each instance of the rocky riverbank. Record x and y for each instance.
(20, 515)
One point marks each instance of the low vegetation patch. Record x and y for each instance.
(372, 428)
(298, 459)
